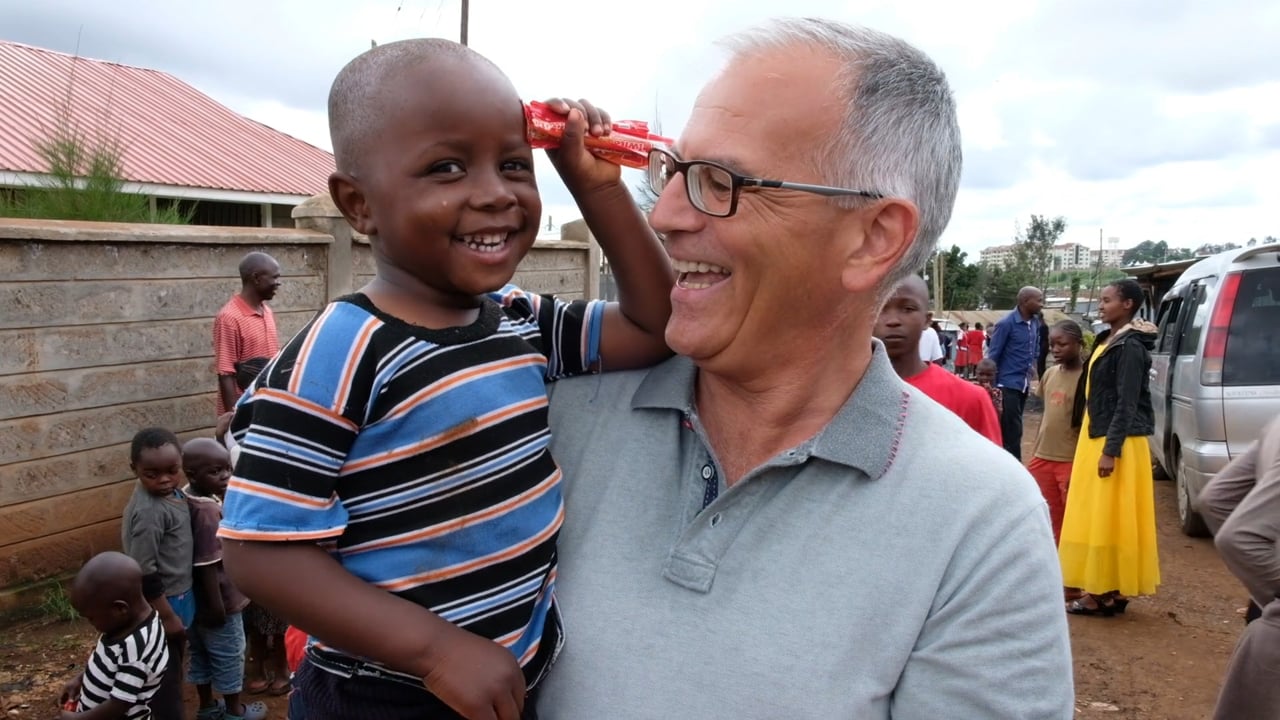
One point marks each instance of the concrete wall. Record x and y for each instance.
(107, 328)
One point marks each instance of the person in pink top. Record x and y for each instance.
(244, 330)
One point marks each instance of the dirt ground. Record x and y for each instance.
(1162, 660)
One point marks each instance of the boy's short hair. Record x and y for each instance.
(987, 363)
(149, 439)
(361, 84)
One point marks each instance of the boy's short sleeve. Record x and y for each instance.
(569, 330)
(131, 677)
(206, 547)
(296, 431)
(142, 539)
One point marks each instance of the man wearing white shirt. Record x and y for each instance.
(930, 346)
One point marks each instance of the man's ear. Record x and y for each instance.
(349, 197)
(881, 235)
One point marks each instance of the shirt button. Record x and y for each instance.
(715, 520)
(708, 472)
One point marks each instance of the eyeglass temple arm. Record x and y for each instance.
(802, 187)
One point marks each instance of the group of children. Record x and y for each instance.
(167, 592)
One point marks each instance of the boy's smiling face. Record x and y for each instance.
(445, 184)
(159, 469)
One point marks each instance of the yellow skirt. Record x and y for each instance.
(1109, 528)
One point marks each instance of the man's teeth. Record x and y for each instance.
(484, 243)
(685, 266)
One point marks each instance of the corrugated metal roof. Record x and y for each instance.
(172, 134)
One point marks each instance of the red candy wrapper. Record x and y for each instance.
(628, 144)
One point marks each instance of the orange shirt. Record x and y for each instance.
(241, 333)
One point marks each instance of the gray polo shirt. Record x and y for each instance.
(895, 565)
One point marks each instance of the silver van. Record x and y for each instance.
(1215, 370)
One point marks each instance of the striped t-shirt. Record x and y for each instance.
(420, 457)
(128, 669)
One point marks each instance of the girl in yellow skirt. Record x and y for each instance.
(1108, 545)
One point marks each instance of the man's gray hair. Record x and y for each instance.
(899, 136)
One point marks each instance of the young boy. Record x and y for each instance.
(157, 534)
(217, 637)
(984, 376)
(394, 494)
(900, 325)
(124, 671)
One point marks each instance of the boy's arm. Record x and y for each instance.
(211, 611)
(111, 709)
(633, 332)
(309, 589)
(144, 547)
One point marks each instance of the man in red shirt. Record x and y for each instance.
(899, 326)
(244, 330)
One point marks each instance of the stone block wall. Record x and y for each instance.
(107, 328)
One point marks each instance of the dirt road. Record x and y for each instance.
(1162, 660)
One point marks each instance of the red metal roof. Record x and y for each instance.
(172, 134)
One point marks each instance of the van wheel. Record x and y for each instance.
(1189, 520)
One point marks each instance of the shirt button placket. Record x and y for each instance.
(711, 488)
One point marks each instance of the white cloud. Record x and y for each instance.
(1157, 121)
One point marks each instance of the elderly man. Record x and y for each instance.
(1015, 347)
(244, 330)
(773, 524)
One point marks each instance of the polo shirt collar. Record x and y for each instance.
(245, 308)
(863, 434)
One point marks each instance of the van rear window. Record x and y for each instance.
(1253, 343)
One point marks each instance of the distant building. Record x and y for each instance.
(1111, 254)
(996, 256)
(180, 145)
(1070, 256)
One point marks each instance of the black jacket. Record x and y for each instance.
(1119, 395)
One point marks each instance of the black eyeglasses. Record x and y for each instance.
(713, 188)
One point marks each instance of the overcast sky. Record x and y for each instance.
(1142, 120)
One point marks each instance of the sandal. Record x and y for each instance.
(1120, 604)
(279, 686)
(257, 687)
(250, 711)
(210, 712)
(1100, 609)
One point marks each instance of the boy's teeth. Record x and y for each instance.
(484, 243)
(685, 266)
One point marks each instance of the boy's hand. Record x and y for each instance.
(476, 677)
(581, 171)
(224, 424)
(71, 689)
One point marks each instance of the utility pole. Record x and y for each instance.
(466, 7)
(1097, 275)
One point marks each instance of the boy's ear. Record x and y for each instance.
(349, 197)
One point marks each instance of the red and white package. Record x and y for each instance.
(628, 144)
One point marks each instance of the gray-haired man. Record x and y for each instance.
(773, 525)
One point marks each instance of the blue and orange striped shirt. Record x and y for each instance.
(419, 457)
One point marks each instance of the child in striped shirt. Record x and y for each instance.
(395, 496)
(126, 666)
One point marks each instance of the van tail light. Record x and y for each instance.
(1215, 343)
